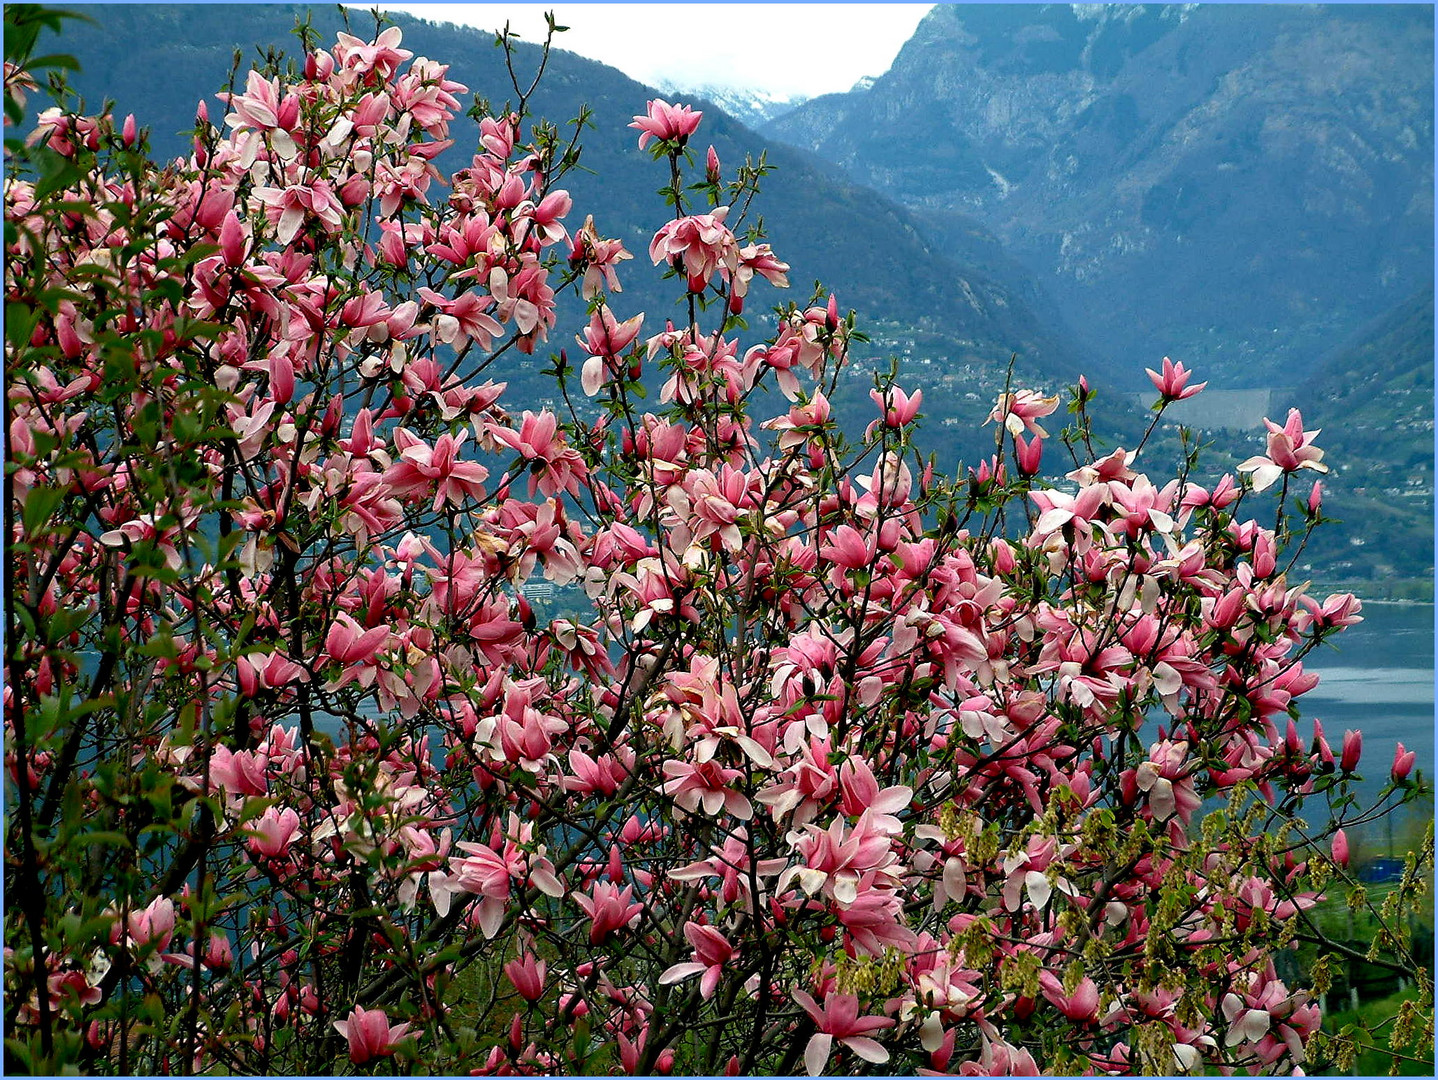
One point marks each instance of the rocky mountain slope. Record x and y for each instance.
(1236, 186)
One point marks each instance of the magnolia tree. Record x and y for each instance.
(842, 765)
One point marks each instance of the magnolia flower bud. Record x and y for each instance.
(1340, 848)
(1402, 763)
(1352, 750)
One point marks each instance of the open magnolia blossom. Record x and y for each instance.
(811, 765)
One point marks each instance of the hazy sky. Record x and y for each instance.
(785, 49)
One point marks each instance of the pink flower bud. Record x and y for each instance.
(1402, 763)
(289, 112)
(527, 975)
(1352, 750)
(1029, 454)
(232, 240)
(282, 379)
(1004, 561)
(711, 166)
(219, 955)
(1340, 848)
(127, 131)
(1315, 497)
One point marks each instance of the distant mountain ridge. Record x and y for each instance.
(751, 108)
(1239, 186)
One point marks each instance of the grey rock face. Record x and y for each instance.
(1239, 186)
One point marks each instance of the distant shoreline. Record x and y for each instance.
(1385, 591)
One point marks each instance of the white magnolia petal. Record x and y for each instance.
(1038, 887)
(816, 1054)
(866, 1048)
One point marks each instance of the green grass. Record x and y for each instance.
(1379, 1014)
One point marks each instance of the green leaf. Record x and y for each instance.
(53, 60)
(40, 507)
(106, 837)
(20, 322)
(57, 172)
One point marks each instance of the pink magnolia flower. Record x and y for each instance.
(555, 466)
(462, 319)
(898, 408)
(849, 548)
(1082, 1004)
(711, 952)
(838, 1019)
(369, 1034)
(599, 257)
(667, 123)
(703, 245)
(349, 643)
(426, 94)
(730, 863)
(706, 784)
(1173, 383)
(272, 834)
(154, 925)
(18, 82)
(759, 259)
(1028, 455)
(382, 56)
(605, 338)
(1018, 411)
(840, 861)
(422, 468)
(609, 908)
(267, 671)
(1059, 508)
(1290, 448)
(286, 208)
(242, 772)
(1167, 782)
(1341, 609)
(1000, 1058)
(487, 873)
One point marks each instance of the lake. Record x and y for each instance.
(1378, 679)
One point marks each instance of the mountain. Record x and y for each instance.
(1373, 399)
(752, 108)
(912, 293)
(1235, 186)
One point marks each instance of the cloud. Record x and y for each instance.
(780, 49)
